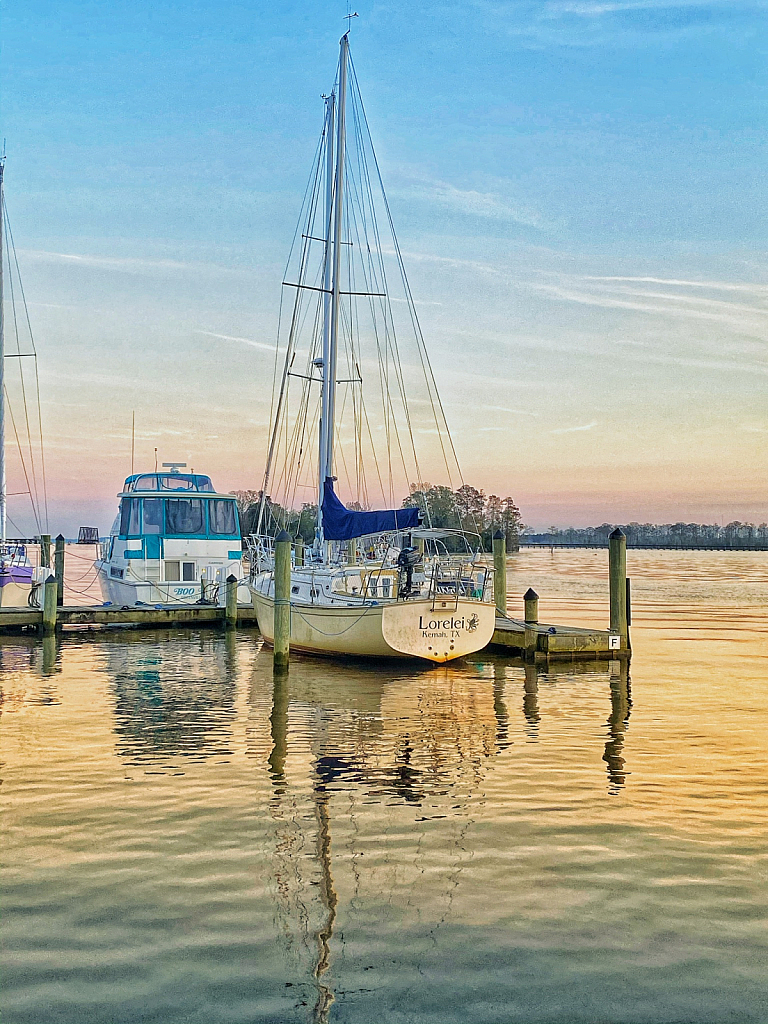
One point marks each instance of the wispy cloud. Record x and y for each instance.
(574, 430)
(673, 282)
(127, 265)
(261, 345)
(593, 8)
(473, 203)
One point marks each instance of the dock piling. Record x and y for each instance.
(50, 594)
(531, 602)
(531, 639)
(58, 561)
(617, 571)
(282, 624)
(298, 549)
(45, 549)
(500, 572)
(230, 616)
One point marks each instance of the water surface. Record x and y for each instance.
(187, 841)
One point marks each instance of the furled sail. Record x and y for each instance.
(341, 523)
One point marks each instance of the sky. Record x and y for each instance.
(579, 191)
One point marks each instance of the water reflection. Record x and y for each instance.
(171, 698)
(621, 709)
(531, 701)
(23, 661)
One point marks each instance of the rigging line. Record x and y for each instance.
(9, 230)
(300, 437)
(357, 103)
(350, 323)
(33, 499)
(23, 464)
(290, 455)
(409, 296)
(383, 360)
(289, 353)
(13, 524)
(372, 277)
(421, 347)
(292, 465)
(360, 398)
(311, 185)
(389, 326)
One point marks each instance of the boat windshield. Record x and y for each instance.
(168, 482)
(184, 515)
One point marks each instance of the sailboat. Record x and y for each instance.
(18, 575)
(381, 583)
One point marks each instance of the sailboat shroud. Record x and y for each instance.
(374, 584)
(18, 576)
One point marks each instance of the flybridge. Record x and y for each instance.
(167, 482)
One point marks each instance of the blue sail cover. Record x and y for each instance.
(340, 523)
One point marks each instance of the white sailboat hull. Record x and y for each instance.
(418, 628)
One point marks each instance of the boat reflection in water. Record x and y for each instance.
(171, 699)
(353, 736)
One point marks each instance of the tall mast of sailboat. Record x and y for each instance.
(322, 464)
(332, 313)
(3, 494)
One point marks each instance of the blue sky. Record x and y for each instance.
(579, 188)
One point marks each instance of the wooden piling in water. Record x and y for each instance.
(282, 623)
(531, 604)
(617, 572)
(58, 563)
(230, 616)
(500, 572)
(50, 594)
(298, 551)
(45, 549)
(531, 637)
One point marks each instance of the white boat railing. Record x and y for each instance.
(437, 577)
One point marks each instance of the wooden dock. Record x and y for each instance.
(545, 640)
(13, 619)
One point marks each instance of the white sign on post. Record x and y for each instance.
(614, 643)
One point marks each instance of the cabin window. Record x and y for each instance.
(145, 483)
(188, 571)
(184, 515)
(204, 483)
(222, 515)
(153, 515)
(130, 509)
(172, 572)
(177, 483)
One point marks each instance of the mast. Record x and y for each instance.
(322, 465)
(329, 364)
(2, 363)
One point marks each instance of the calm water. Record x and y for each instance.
(185, 842)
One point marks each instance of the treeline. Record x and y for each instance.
(467, 508)
(735, 535)
(470, 509)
